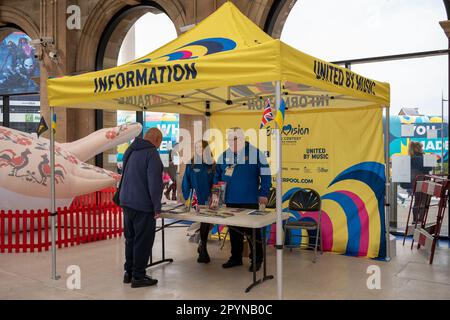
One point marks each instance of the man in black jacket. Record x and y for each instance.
(140, 198)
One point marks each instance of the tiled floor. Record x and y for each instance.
(407, 276)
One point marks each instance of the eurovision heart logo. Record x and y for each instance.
(290, 129)
(287, 129)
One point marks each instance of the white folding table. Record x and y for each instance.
(239, 219)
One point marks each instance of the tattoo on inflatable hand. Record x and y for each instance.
(25, 167)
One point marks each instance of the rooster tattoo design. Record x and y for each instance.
(45, 171)
(17, 162)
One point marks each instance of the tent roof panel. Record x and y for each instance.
(225, 57)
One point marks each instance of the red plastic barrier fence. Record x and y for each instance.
(90, 217)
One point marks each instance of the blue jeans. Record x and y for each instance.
(139, 230)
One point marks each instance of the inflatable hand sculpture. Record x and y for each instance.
(25, 167)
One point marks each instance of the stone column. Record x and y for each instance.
(53, 25)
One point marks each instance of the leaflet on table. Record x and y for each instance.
(238, 210)
(258, 212)
(225, 212)
(174, 208)
(215, 213)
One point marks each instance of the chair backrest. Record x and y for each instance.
(272, 199)
(305, 200)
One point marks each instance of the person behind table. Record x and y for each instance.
(247, 175)
(199, 176)
(140, 198)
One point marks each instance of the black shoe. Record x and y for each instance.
(258, 266)
(144, 282)
(232, 263)
(203, 257)
(127, 277)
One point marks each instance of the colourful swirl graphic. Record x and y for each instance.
(373, 175)
(357, 221)
(357, 217)
(212, 46)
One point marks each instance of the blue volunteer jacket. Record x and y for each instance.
(142, 184)
(199, 177)
(250, 179)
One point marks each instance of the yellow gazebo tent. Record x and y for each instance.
(221, 66)
(224, 50)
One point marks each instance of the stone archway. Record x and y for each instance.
(105, 26)
(99, 45)
(10, 16)
(277, 17)
(104, 15)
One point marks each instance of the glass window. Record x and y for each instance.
(351, 29)
(24, 112)
(18, 66)
(415, 83)
(137, 43)
(338, 30)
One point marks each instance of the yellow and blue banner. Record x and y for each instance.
(54, 123)
(279, 118)
(341, 156)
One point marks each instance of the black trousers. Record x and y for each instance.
(139, 230)
(237, 238)
(204, 232)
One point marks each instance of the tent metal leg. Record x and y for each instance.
(53, 194)
(279, 195)
(387, 217)
(254, 254)
(265, 253)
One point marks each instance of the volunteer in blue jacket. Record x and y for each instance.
(199, 176)
(247, 175)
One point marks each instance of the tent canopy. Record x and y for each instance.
(226, 63)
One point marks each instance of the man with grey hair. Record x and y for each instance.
(246, 172)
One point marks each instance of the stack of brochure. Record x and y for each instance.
(217, 196)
